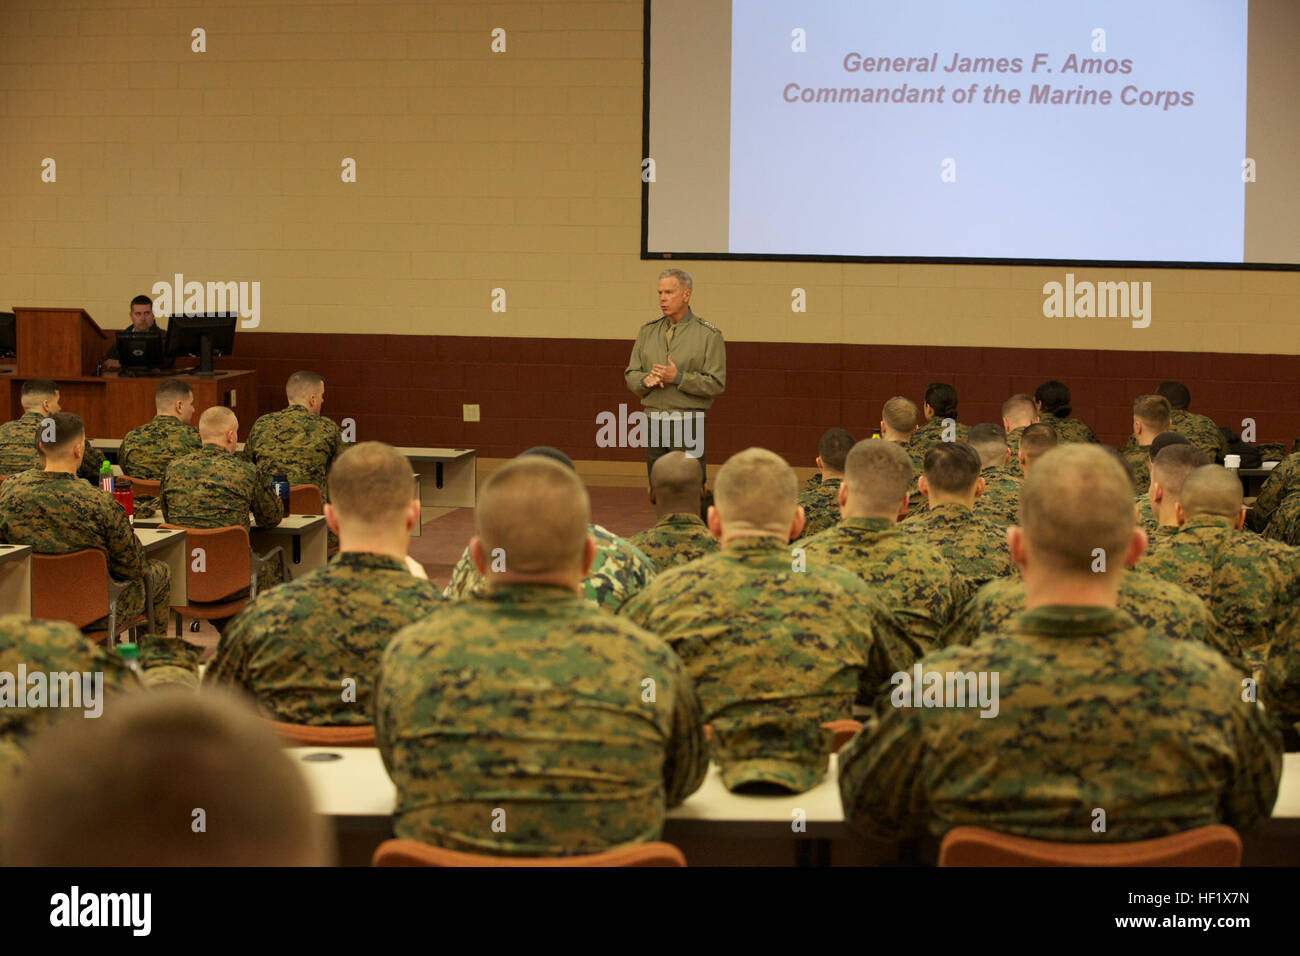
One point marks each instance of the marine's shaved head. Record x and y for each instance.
(1037, 439)
(1019, 410)
(756, 490)
(302, 385)
(536, 511)
(215, 422)
(371, 483)
(169, 751)
(1211, 490)
(990, 442)
(675, 475)
(901, 414)
(877, 474)
(1078, 498)
(1172, 465)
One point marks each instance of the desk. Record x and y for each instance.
(109, 447)
(304, 539)
(16, 579)
(169, 547)
(356, 793)
(111, 405)
(448, 477)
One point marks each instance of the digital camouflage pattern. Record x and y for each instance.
(570, 729)
(821, 507)
(1249, 583)
(1138, 460)
(146, 451)
(47, 647)
(1000, 502)
(774, 652)
(18, 449)
(23, 479)
(294, 646)
(910, 577)
(618, 571)
(1201, 432)
(931, 433)
(1162, 608)
(675, 539)
(1282, 482)
(1280, 682)
(297, 443)
(1069, 429)
(57, 513)
(214, 488)
(1094, 711)
(1013, 443)
(975, 546)
(1146, 518)
(1284, 525)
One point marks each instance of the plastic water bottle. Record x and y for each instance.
(130, 655)
(281, 485)
(106, 476)
(125, 497)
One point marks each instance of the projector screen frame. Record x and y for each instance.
(667, 255)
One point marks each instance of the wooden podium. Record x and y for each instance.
(66, 345)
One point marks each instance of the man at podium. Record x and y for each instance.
(142, 320)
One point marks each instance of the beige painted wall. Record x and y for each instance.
(476, 171)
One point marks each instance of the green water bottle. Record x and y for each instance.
(130, 655)
(106, 476)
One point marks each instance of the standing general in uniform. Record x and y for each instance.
(678, 364)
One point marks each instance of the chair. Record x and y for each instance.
(306, 735)
(230, 566)
(305, 500)
(143, 487)
(1215, 845)
(77, 588)
(844, 731)
(413, 853)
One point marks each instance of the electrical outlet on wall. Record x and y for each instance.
(471, 413)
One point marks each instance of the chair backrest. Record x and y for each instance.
(843, 731)
(412, 853)
(1215, 845)
(70, 587)
(305, 500)
(143, 487)
(305, 735)
(226, 562)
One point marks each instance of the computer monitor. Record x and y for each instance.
(206, 335)
(8, 335)
(140, 352)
